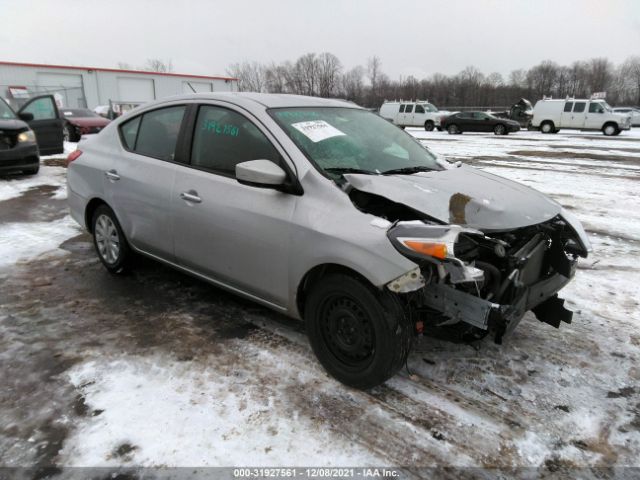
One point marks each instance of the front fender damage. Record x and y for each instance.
(488, 283)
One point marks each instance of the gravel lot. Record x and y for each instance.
(158, 369)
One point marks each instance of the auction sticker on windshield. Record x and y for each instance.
(317, 130)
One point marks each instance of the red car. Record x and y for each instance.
(81, 121)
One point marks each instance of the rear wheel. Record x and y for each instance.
(69, 134)
(547, 127)
(109, 241)
(453, 129)
(610, 129)
(499, 130)
(360, 336)
(429, 125)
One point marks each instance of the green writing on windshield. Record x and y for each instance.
(213, 126)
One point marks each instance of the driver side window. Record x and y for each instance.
(224, 138)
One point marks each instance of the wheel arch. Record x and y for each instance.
(90, 209)
(315, 274)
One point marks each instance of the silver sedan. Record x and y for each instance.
(328, 213)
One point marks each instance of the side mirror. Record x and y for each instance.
(27, 117)
(260, 173)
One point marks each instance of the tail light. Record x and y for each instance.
(73, 155)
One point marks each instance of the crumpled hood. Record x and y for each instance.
(464, 196)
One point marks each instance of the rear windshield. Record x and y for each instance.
(5, 111)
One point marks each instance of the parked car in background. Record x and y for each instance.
(326, 212)
(634, 112)
(579, 114)
(81, 121)
(521, 112)
(478, 122)
(35, 129)
(413, 114)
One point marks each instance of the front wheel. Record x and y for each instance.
(610, 129)
(69, 134)
(429, 126)
(360, 336)
(453, 129)
(547, 127)
(499, 130)
(109, 241)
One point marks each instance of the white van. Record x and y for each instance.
(552, 115)
(413, 114)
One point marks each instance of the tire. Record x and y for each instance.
(500, 129)
(360, 336)
(32, 170)
(109, 240)
(547, 127)
(429, 125)
(439, 129)
(610, 129)
(69, 134)
(453, 129)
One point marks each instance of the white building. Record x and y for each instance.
(78, 87)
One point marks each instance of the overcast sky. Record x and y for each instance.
(418, 37)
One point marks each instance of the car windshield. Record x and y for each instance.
(429, 107)
(79, 112)
(5, 111)
(348, 140)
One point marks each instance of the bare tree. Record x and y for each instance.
(329, 70)
(251, 76)
(630, 70)
(124, 66)
(158, 65)
(353, 84)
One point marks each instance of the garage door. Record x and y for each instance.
(67, 85)
(195, 87)
(135, 90)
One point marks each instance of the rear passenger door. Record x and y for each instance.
(141, 183)
(46, 123)
(578, 116)
(235, 234)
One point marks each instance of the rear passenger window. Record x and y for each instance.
(568, 106)
(401, 108)
(224, 138)
(130, 132)
(409, 109)
(158, 133)
(579, 107)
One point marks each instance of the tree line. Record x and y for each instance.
(323, 75)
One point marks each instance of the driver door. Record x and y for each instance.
(237, 235)
(46, 123)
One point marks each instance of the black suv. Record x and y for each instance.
(36, 129)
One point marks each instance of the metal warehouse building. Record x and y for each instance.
(80, 87)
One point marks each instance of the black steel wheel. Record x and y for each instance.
(361, 336)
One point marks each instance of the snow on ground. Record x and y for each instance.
(155, 369)
(22, 242)
(15, 185)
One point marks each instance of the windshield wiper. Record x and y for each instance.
(342, 170)
(409, 170)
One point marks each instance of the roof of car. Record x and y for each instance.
(268, 100)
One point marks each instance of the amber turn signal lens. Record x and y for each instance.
(438, 250)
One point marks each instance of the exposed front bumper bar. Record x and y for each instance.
(541, 297)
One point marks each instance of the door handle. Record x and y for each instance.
(112, 175)
(191, 196)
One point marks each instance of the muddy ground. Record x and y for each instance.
(215, 374)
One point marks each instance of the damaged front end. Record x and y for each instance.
(474, 282)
